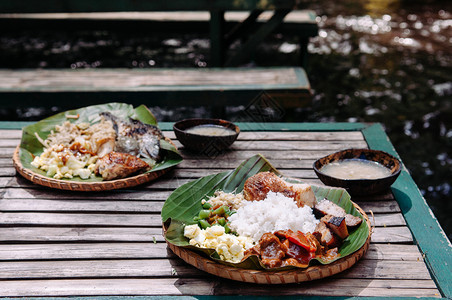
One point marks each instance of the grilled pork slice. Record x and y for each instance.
(116, 165)
(337, 225)
(326, 207)
(257, 187)
(325, 236)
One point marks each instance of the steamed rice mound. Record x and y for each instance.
(276, 212)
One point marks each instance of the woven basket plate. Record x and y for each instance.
(273, 277)
(83, 186)
(30, 147)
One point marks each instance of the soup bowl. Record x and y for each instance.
(360, 186)
(209, 144)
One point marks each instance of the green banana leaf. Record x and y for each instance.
(185, 203)
(30, 146)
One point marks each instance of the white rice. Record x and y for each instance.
(276, 212)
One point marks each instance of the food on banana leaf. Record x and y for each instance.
(111, 148)
(271, 219)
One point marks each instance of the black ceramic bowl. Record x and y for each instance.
(208, 144)
(360, 186)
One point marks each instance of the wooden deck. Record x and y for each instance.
(288, 86)
(58, 243)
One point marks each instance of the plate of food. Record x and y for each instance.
(95, 148)
(252, 224)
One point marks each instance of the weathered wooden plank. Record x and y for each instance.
(330, 146)
(112, 287)
(295, 16)
(6, 162)
(129, 205)
(156, 250)
(80, 234)
(7, 172)
(234, 163)
(8, 146)
(7, 151)
(9, 142)
(84, 251)
(379, 207)
(246, 135)
(145, 80)
(179, 177)
(168, 182)
(125, 219)
(12, 193)
(334, 287)
(56, 205)
(243, 154)
(11, 134)
(194, 173)
(364, 269)
(393, 252)
(400, 234)
(394, 219)
(98, 268)
(300, 136)
(5, 182)
(216, 286)
(39, 234)
(84, 219)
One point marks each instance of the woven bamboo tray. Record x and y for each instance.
(84, 186)
(273, 277)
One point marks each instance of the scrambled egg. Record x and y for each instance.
(230, 247)
(73, 149)
(60, 162)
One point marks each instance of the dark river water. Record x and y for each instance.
(385, 61)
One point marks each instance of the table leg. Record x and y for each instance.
(217, 45)
(244, 28)
(255, 39)
(303, 55)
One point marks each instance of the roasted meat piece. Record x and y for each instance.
(269, 249)
(326, 207)
(119, 165)
(257, 187)
(284, 248)
(337, 225)
(325, 236)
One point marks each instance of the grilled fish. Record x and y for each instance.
(136, 138)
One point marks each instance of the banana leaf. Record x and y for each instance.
(185, 203)
(30, 145)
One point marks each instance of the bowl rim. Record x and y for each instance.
(394, 174)
(205, 121)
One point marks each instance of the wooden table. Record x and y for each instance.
(59, 243)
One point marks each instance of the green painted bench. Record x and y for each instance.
(251, 22)
(286, 87)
